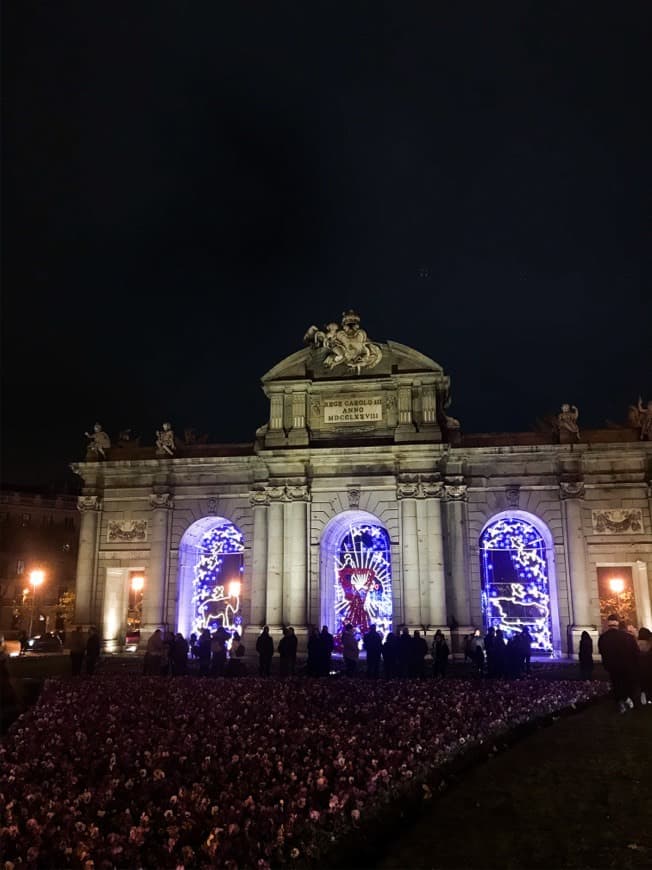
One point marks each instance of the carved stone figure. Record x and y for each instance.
(567, 423)
(165, 445)
(640, 417)
(99, 443)
(451, 422)
(347, 344)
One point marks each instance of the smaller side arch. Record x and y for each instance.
(518, 577)
(211, 565)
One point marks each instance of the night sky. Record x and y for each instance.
(188, 186)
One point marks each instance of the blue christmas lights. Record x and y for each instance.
(363, 580)
(217, 579)
(515, 581)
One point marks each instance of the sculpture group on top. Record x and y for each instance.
(347, 344)
(640, 417)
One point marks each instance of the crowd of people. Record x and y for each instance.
(627, 660)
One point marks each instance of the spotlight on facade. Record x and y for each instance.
(234, 588)
(617, 585)
(137, 583)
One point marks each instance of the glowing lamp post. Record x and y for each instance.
(234, 589)
(35, 579)
(137, 583)
(617, 586)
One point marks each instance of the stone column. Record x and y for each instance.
(571, 494)
(156, 578)
(296, 558)
(298, 434)
(435, 578)
(259, 501)
(459, 605)
(407, 493)
(274, 598)
(90, 508)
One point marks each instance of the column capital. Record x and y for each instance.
(456, 491)
(571, 489)
(407, 489)
(300, 492)
(353, 494)
(259, 498)
(159, 500)
(432, 487)
(275, 493)
(89, 503)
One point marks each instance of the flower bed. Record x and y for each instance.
(152, 772)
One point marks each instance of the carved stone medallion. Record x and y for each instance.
(617, 521)
(126, 531)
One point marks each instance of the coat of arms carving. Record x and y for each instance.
(617, 521)
(126, 531)
(346, 344)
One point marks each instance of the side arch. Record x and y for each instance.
(518, 577)
(209, 584)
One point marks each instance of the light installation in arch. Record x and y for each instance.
(217, 579)
(363, 580)
(515, 581)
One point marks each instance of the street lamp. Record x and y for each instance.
(35, 579)
(617, 585)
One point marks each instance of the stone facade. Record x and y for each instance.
(368, 442)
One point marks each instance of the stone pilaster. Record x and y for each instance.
(296, 557)
(298, 434)
(435, 578)
(260, 504)
(275, 519)
(405, 429)
(459, 605)
(156, 579)
(407, 493)
(572, 494)
(90, 508)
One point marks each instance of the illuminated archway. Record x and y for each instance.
(356, 574)
(516, 563)
(211, 565)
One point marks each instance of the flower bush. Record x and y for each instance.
(187, 772)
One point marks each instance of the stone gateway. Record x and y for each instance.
(360, 500)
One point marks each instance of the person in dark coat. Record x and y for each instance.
(326, 657)
(645, 665)
(620, 654)
(287, 650)
(403, 652)
(418, 653)
(204, 652)
(489, 641)
(499, 653)
(525, 642)
(92, 650)
(265, 650)
(180, 655)
(77, 651)
(586, 656)
(373, 646)
(389, 652)
(218, 647)
(440, 654)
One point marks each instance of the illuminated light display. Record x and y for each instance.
(216, 584)
(515, 580)
(363, 580)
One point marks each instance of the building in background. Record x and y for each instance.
(361, 500)
(38, 532)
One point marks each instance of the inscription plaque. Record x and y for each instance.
(353, 409)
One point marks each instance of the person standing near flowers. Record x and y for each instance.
(645, 665)
(92, 650)
(586, 656)
(265, 650)
(440, 654)
(77, 651)
(350, 651)
(154, 654)
(619, 653)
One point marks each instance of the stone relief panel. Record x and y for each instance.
(617, 521)
(126, 531)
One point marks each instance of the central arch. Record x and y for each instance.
(356, 574)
